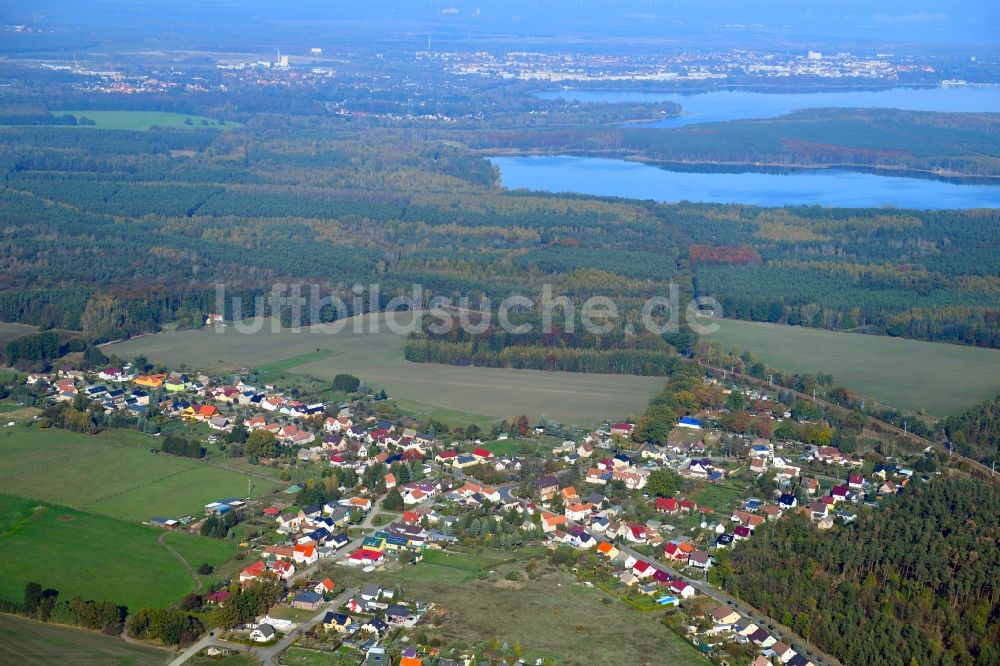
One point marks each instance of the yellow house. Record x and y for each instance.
(373, 543)
(149, 381)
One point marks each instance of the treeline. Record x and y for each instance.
(560, 342)
(43, 604)
(975, 433)
(248, 603)
(562, 359)
(912, 582)
(950, 143)
(168, 626)
(683, 394)
(178, 446)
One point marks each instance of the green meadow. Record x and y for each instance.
(95, 556)
(940, 378)
(114, 474)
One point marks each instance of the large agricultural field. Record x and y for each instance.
(9, 331)
(942, 379)
(551, 616)
(377, 358)
(80, 553)
(113, 473)
(31, 643)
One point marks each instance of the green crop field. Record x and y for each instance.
(377, 358)
(113, 473)
(144, 120)
(908, 374)
(94, 556)
(31, 643)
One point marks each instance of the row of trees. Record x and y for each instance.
(164, 625)
(179, 446)
(43, 604)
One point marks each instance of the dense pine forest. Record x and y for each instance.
(120, 232)
(911, 582)
(976, 433)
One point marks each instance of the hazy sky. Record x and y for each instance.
(914, 21)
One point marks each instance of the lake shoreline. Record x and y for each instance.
(748, 167)
(782, 187)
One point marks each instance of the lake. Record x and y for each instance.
(724, 105)
(827, 187)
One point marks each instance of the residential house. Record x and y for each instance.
(325, 586)
(552, 521)
(829, 454)
(307, 599)
(622, 429)
(263, 633)
(681, 589)
(725, 616)
(547, 486)
(667, 505)
(787, 501)
(371, 591)
(252, 572)
(699, 559)
(337, 622)
(783, 651)
(305, 555)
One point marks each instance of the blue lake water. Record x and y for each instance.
(724, 105)
(621, 178)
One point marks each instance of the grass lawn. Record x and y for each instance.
(720, 498)
(93, 556)
(113, 473)
(286, 612)
(554, 615)
(383, 519)
(30, 643)
(510, 447)
(200, 550)
(451, 392)
(296, 656)
(907, 374)
(144, 120)
(230, 660)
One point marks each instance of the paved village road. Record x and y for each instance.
(772, 626)
(268, 653)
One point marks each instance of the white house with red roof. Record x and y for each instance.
(622, 429)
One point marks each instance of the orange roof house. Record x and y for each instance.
(150, 381)
(551, 520)
(607, 549)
